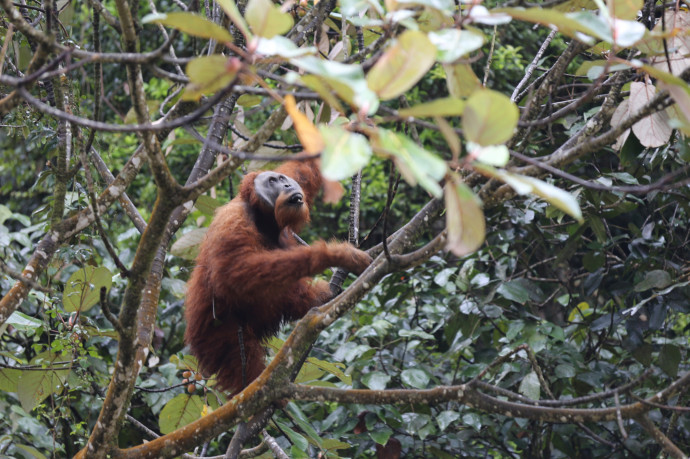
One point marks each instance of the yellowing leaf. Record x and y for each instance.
(266, 19)
(402, 65)
(344, 154)
(489, 118)
(190, 23)
(308, 135)
(624, 9)
(207, 74)
(464, 218)
(447, 106)
(187, 245)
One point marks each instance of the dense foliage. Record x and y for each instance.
(526, 168)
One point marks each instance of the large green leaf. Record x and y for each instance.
(414, 163)
(180, 411)
(402, 65)
(464, 218)
(266, 19)
(207, 74)
(419, 379)
(34, 386)
(344, 154)
(83, 288)
(190, 23)
(187, 246)
(489, 118)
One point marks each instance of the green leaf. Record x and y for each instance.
(207, 74)
(332, 368)
(346, 80)
(465, 220)
(415, 333)
(529, 386)
(345, 152)
(31, 451)
(83, 288)
(24, 323)
(446, 106)
(514, 290)
(445, 418)
(34, 386)
(331, 444)
(180, 411)
(452, 44)
(187, 245)
(190, 23)
(523, 184)
(266, 19)
(489, 118)
(565, 23)
(381, 434)
(207, 205)
(414, 163)
(565, 370)
(235, 16)
(669, 359)
(9, 378)
(415, 377)
(657, 279)
(297, 440)
(402, 65)
(376, 380)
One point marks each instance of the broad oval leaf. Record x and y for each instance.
(33, 386)
(489, 118)
(402, 65)
(376, 380)
(654, 130)
(529, 386)
(464, 218)
(207, 74)
(190, 23)
(445, 418)
(447, 106)
(415, 377)
(83, 288)
(266, 19)
(657, 279)
(493, 155)
(452, 44)
(414, 163)
(187, 245)
(344, 154)
(180, 411)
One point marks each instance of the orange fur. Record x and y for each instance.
(250, 274)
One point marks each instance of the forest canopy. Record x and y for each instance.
(517, 171)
